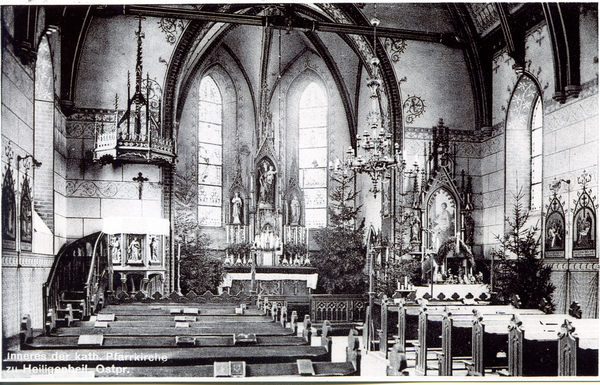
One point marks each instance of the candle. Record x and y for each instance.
(406, 281)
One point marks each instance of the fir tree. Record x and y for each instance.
(341, 258)
(199, 271)
(522, 272)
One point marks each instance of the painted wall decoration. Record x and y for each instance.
(441, 218)
(26, 216)
(555, 232)
(414, 106)
(585, 224)
(9, 211)
(584, 221)
(554, 236)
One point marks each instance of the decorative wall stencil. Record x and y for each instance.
(414, 106)
(571, 114)
(171, 27)
(395, 47)
(100, 189)
(584, 221)
(521, 103)
(44, 75)
(85, 123)
(361, 42)
(152, 89)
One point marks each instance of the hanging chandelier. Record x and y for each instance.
(377, 153)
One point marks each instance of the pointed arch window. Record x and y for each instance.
(210, 149)
(536, 155)
(312, 141)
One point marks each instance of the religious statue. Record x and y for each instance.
(415, 229)
(236, 209)
(135, 250)
(115, 249)
(469, 229)
(295, 211)
(154, 251)
(267, 183)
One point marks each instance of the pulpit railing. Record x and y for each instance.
(79, 267)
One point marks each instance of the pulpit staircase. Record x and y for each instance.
(79, 279)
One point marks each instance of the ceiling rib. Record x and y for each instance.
(285, 22)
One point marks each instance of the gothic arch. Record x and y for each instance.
(517, 156)
(179, 66)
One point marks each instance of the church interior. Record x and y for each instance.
(130, 132)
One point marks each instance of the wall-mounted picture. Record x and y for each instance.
(584, 229)
(441, 218)
(555, 232)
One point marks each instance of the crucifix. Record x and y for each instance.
(140, 179)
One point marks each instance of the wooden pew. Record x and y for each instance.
(533, 344)
(432, 335)
(578, 356)
(489, 339)
(353, 351)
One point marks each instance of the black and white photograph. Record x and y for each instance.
(299, 192)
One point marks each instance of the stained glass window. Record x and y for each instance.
(210, 161)
(536, 156)
(312, 126)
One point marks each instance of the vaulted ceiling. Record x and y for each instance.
(338, 33)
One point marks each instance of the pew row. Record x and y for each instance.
(545, 346)
(439, 327)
